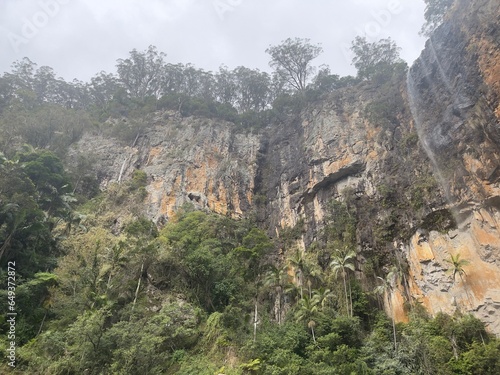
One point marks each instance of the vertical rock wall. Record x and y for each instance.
(454, 88)
(295, 167)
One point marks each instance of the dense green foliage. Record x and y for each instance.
(101, 289)
(206, 295)
(375, 61)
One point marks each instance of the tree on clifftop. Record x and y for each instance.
(374, 60)
(291, 61)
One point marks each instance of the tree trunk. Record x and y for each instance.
(255, 322)
(279, 306)
(138, 287)
(346, 296)
(350, 296)
(314, 337)
(41, 324)
(394, 329)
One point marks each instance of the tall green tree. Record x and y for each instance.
(292, 61)
(141, 74)
(342, 262)
(277, 279)
(374, 59)
(307, 309)
(297, 261)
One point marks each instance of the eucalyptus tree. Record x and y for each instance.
(141, 74)
(374, 59)
(253, 89)
(225, 86)
(102, 88)
(292, 61)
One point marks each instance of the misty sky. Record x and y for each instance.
(79, 38)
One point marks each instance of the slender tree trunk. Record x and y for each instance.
(314, 337)
(346, 296)
(393, 325)
(454, 346)
(108, 284)
(41, 324)
(77, 183)
(279, 305)
(136, 138)
(299, 279)
(465, 288)
(255, 322)
(122, 169)
(138, 286)
(350, 296)
(7, 243)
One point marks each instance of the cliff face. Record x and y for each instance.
(454, 90)
(423, 184)
(198, 161)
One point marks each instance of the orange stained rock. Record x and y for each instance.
(153, 154)
(168, 200)
(336, 165)
(249, 194)
(398, 303)
(372, 155)
(218, 203)
(481, 281)
(423, 250)
(486, 236)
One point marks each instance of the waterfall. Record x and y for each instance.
(413, 99)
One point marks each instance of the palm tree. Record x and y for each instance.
(323, 295)
(342, 262)
(277, 279)
(298, 262)
(307, 309)
(313, 275)
(385, 289)
(457, 268)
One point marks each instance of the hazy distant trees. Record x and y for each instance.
(374, 59)
(141, 73)
(145, 81)
(250, 89)
(292, 61)
(434, 14)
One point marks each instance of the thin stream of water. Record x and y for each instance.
(414, 108)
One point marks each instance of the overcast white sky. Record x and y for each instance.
(79, 38)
